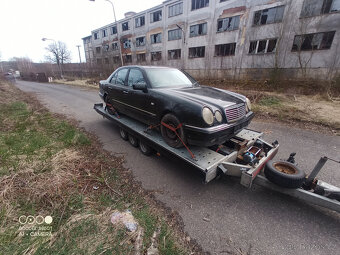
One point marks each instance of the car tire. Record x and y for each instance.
(169, 136)
(133, 141)
(284, 174)
(145, 149)
(123, 134)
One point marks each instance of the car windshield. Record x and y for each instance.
(169, 78)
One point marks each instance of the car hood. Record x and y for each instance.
(208, 96)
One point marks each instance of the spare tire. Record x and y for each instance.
(284, 174)
(170, 136)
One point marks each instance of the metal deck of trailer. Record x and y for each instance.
(212, 163)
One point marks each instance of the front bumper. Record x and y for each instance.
(215, 135)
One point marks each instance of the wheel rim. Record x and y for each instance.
(122, 133)
(171, 134)
(284, 168)
(132, 140)
(142, 147)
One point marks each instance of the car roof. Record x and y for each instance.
(151, 67)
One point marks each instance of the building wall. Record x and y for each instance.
(317, 63)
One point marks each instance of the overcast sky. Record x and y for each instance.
(23, 23)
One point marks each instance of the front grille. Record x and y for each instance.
(235, 112)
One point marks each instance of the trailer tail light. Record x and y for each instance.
(235, 112)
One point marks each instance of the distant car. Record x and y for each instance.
(205, 116)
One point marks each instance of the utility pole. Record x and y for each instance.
(81, 70)
(78, 46)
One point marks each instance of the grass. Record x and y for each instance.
(50, 167)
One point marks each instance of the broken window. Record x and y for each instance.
(174, 54)
(114, 46)
(106, 61)
(197, 52)
(175, 9)
(262, 46)
(156, 16)
(197, 4)
(106, 47)
(140, 41)
(116, 59)
(125, 26)
(156, 38)
(156, 56)
(113, 30)
(316, 7)
(99, 61)
(126, 43)
(98, 50)
(104, 33)
(175, 34)
(127, 58)
(95, 35)
(228, 24)
(141, 57)
(316, 41)
(140, 21)
(225, 49)
(268, 16)
(199, 29)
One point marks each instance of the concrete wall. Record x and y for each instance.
(316, 63)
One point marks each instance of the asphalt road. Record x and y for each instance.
(241, 221)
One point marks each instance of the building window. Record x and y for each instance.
(156, 16)
(268, 16)
(106, 61)
(126, 43)
(263, 46)
(114, 30)
(197, 52)
(228, 24)
(156, 56)
(141, 57)
(175, 9)
(140, 41)
(317, 41)
(316, 7)
(104, 33)
(175, 34)
(198, 4)
(200, 29)
(225, 49)
(114, 46)
(95, 35)
(156, 38)
(98, 50)
(140, 21)
(99, 61)
(174, 54)
(106, 47)
(125, 26)
(127, 58)
(116, 59)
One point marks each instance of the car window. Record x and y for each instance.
(113, 78)
(121, 75)
(135, 77)
(168, 78)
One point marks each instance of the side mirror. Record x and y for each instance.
(140, 86)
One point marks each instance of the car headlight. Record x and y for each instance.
(248, 104)
(218, 116)
(208, 115)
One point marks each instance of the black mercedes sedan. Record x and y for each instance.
(201, 115)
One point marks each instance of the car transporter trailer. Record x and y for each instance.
(228, 159)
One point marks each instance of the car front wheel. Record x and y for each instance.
(170, 137)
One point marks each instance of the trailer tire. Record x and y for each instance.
(284, 174)
(168, 135)
(123, 134)
(145, 149)
(133, 141)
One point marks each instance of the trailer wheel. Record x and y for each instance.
(133, 141)
(123, 134)
(284, 174)
(170, 136)
(145, 149)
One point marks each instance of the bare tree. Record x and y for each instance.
(58, 54)
(24, 64)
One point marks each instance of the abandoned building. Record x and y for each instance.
(223, 38)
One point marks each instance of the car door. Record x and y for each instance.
(140, 102)
(116, 89)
